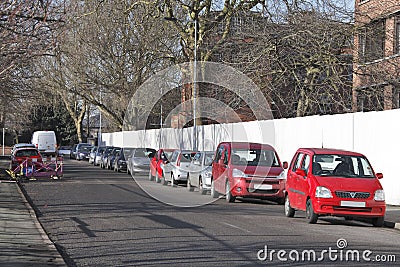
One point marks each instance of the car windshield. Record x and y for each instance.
(187, 156)
(254, 157)
(141, 153)
(167, 155)
(341, 166)
(85, 148)
(26, 153)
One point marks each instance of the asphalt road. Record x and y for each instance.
(101, 218)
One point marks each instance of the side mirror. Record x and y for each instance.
(301, 172)
(285, 165)
(379, 175)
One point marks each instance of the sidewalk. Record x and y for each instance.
(23, 241)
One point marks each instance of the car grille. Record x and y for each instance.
(346, 194)
(259, 191)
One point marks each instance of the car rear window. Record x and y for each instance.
(27, 153)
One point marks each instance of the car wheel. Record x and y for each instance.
(157, 178)
(289, 211)
(189, 185)
(201, 188)
(151, 177)
(228, 194)
(311, 216)
(173, 182)
(378, 221)
(214, 193)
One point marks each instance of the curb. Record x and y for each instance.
(39, 226)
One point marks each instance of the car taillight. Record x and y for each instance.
(178, 163)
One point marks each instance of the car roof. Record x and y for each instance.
(330, 151)
(248, 144)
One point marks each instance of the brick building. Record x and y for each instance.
(376, 69)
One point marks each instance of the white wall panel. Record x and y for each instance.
(375, 134)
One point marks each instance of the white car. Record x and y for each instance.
(45, 142)
(178, 167)
(200, 172)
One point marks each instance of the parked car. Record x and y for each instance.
(75, 148)
(200, 172)
(248, 170)
(120, 162)
(19, 155)
(104, 156)
(92, 154)
(111, 158)
(98, 155)
(64, 150)
(158, 162)
(45, 142)
(140, 160)
(83, 152)
(330, 182)
(178, 168)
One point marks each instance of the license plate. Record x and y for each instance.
(263, 186)
(352, 204)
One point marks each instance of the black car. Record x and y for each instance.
(121, 159)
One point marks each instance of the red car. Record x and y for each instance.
(248, 170)
(157, 163)
(330, 182)
(21, 154)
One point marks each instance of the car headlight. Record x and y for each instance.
(282, 175)
(323, 192)
(238, 174)
(207, 174)
(379, 195)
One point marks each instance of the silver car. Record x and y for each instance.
(139, 162)
(178, 167)
(200, 171)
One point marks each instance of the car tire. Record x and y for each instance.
(157, 178)
(214, 193)
(173, 181)
(151, 177)
(378, 221)
(289, 211)
(189, 185)
(202, 191)
(310, 214)
(228, 194)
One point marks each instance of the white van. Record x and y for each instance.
(45, 142)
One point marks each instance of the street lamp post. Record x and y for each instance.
(99, 132)
(3, 139)
(194, 87)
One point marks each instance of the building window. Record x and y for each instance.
(372, 41)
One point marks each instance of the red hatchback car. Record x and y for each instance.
(330, 182)
(157, 163)
(19, 155)
(249, 170)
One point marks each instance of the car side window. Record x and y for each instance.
(226, 156)
(219, 153)
(305, 165)
(297, 163)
